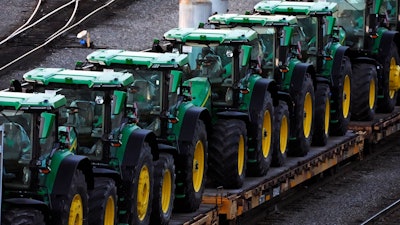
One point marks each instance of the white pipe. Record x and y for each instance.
(201, 11)
(220, 6)
(185, 13)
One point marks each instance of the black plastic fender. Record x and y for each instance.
(300, 70)
(109, 173)
(67, 170)
(337, 61)
(28, 202)
(134, 146)
(261, 87)
(386, 43)
(191, 116)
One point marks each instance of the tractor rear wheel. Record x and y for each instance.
(341, 97)
(72, 208)
(22, 216)
(103, 202)
(281, 134)
(363, 99)
(390, 76)
(259, 160)
(228, 153)
(192, 166)
(302, 126)
(164, 189)
(322, 115)
(141, 189)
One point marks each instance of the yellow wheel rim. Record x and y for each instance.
(307, 115)
(76, 211)
(166, 191)
(266, 134)
(372, 94)
(346, 96)
(394, 78)
(327, 115)
(143, 193)
(109, 216)
(198, 166)
(241, 155)
(284, 134)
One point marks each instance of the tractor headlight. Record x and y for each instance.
(229, 96)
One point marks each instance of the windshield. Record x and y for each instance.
(17, 147)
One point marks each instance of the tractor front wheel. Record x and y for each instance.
(164, 189)
(281, 134)
(228, 153)
(28, 216)
(322, 115)
(103, 202)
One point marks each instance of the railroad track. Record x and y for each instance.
(49, 21)
(387, 216)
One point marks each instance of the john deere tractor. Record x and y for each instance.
(96, 123)
(373, 38)
(164, 106)
(43, 182)
(224, 80)
(319, 43)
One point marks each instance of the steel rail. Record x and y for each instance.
(382, 213)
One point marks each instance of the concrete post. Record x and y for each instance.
(201, 11)
(185, 13)
(220, 6)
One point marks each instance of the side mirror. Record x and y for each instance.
(46, 124)
(246, 50)
(174, 81)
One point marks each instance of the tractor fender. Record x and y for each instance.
(261, 87)
(299, 72)
(234, 115)
(134, 146)
(284, 96)
(337, 61)
(28, 202)
(109, 173)
(67, 170)
(191, 116)
(386, 43)
(168, 149)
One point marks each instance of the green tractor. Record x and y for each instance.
(372, 35)
(164, 106)
(320, 44)
(43, 181)
(96, 123)
(240, 101)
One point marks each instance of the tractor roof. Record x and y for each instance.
(252, 20)
(296, 8)
(134, 58)
(106, 78)
(220, 36)
(25, 101)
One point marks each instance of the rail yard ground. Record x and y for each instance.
(348, 199)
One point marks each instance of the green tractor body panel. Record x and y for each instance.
(21, 101)
(252, 20)
(201, 89)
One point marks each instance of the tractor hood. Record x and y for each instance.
(296, 8)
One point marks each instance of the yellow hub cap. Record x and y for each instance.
(143, 193)
(283, 136)
(241, 155)
(76, 211)
(394, 77)
(266, 134)
(307, 115)
(166, 191)
(372, 94)
(346, 96)
(109, 216)
(327, 115)
(198, 166)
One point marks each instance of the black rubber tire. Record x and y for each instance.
(281, 120)
(299, 143)
(22, 216)
(224, 156)
(144, 162)
(187, 198)
(164, 167)
(104, 193)
(259, 160)
(62, 204)
(363, 76)
(341, 114)
(322, 115)
(388, 102)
